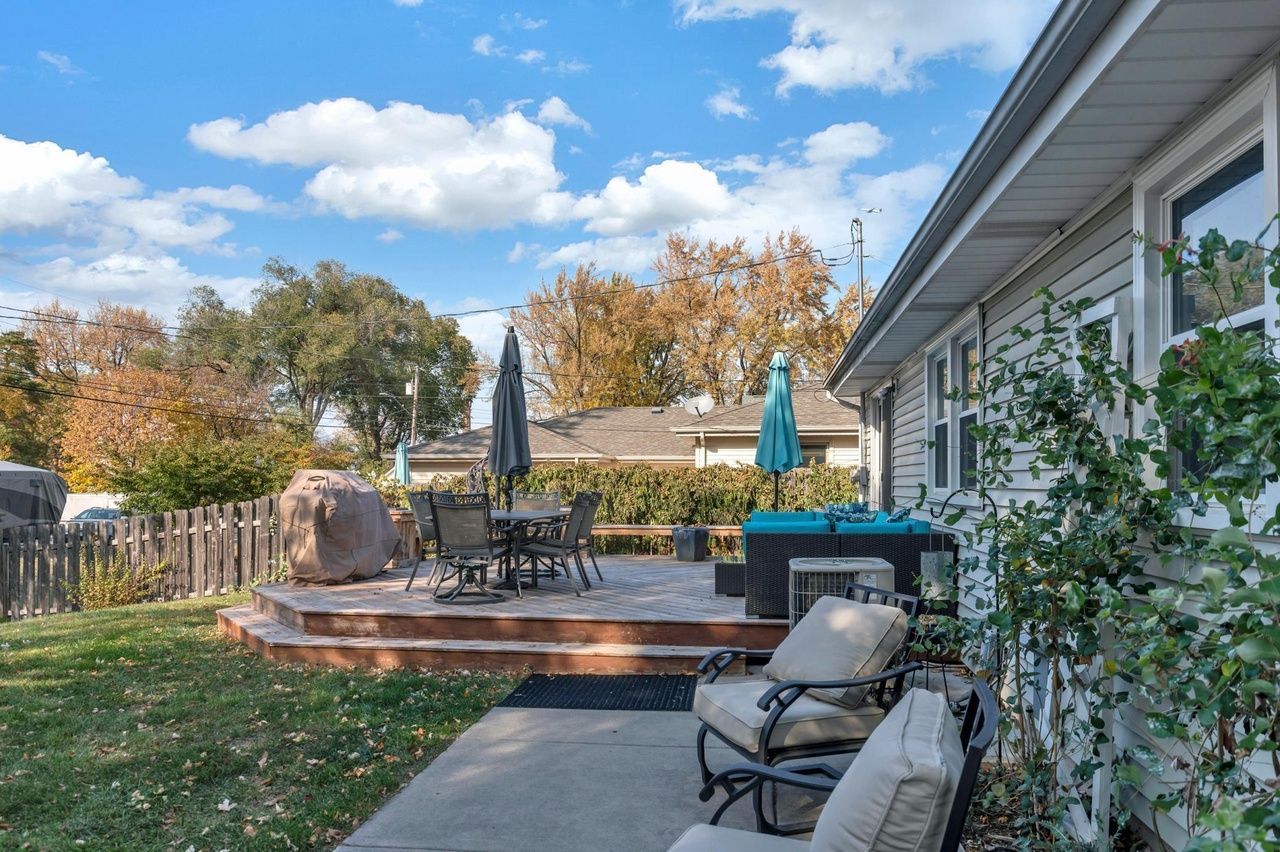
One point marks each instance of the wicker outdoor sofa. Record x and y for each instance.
(771, 541)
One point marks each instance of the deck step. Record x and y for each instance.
(278, 641)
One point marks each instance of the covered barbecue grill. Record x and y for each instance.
(336, 528)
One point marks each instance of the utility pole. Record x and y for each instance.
(862, 295)
(411, 388)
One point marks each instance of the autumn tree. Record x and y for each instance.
(592, 340)
(23, 395)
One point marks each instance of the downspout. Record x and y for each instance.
(858, 408)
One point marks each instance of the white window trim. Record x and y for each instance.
(1246, 117)
(1115, 311)
(948, 347)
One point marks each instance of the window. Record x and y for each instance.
(940, 420)
(813, 454)
(968, 415)
(1232, 199)
(952, 407)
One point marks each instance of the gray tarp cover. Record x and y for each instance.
(30, 495)
(336, 528)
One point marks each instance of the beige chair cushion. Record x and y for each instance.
(715, 838)
(897, 794)
(837, 640)
(730, 708)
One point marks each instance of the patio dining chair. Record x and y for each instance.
(586, 540)
(822, 691)
(564, 543)
(909, 787)
(536, 501)
(464, 547)
(420, 503)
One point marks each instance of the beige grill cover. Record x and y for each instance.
(336, 528)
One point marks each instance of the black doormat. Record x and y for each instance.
(604, 692)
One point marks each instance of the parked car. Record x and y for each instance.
(97, 513)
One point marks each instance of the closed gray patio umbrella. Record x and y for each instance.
(509, 442)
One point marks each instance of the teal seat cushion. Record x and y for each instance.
(761, 515)
(884, 526)
(785, 527)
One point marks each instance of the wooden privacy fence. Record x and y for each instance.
(206, 551)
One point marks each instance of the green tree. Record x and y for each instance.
(22, 398)
(331, 339)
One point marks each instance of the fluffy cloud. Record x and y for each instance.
(77, 196)
(407, 3)
(520, 21)
(530, 56)
(487, 45)
(884, 44)
(728, 102)
(555, 111)
(816, 187)
(390, 235)
(154, 279)
(405, 162)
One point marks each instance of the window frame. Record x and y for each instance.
(948, 350)
(808, 450)
(1247, 116)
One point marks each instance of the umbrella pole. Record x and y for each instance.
(775, 491)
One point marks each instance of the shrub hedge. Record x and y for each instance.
(719, 494)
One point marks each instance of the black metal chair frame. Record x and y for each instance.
(782, 695)
(420, 504)
(470, 561)
(587, 541)
(977, 732)
(559, 550)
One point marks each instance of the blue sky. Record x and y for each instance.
(466, 150)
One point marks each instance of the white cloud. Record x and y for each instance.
(408, 4)
(978, 114)
(487, 45)
(728, 102)
(842, 143)
(884, 44)
(520, 21)
(405, 162)
(80, 197)
(816, 188)
(521, 250)
(158, 281)
(390, 235)
(530, 56)
(666, 195)
(486, 330)
(555, 111)
(60, 62)
(566, 67)
(574, 149)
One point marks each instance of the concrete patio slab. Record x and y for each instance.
(553, 780)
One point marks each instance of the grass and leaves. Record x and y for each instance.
(143, 727)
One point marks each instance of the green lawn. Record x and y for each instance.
(145, 728)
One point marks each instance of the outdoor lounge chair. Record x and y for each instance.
(909, 788)
(420, 503)
(561, 543)
(822, 691)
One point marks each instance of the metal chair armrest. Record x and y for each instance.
(787, 691)
(811, 776)
(720, 659)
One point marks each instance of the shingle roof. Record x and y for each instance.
(814, 413)
(640, 432)
(627, 432)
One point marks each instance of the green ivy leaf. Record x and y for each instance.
(1229, 537)
(1257, 648)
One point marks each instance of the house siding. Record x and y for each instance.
(741, 449)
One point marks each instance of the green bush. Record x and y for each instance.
(715, 495)
(108, 584)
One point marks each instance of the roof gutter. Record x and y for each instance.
(1068, 35)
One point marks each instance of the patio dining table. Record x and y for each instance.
(515, 523)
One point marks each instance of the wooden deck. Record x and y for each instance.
(648, 615)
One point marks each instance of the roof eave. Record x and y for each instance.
(1066, 37)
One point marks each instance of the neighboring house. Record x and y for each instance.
(658, 436)
(828, 430)
(1126, 116)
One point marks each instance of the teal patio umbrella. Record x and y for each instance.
(402, 463)
(778, 449)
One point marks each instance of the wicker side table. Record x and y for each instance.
(731, 579)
